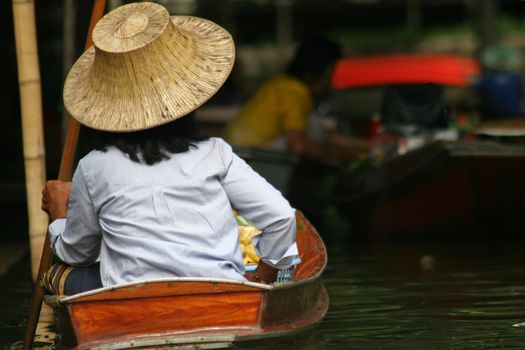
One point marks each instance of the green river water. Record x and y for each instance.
(415, 295)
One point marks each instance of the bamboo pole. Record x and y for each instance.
(66, 166)
(32, 124)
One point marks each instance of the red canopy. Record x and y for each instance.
(404, 69)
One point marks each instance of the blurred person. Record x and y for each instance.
(278, 116)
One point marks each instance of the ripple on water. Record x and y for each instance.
(388, 300)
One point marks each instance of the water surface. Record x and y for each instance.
(439, 295)
(426, 295)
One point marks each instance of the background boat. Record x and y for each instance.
(468, 186)
(450, 189)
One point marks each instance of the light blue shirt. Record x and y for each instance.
(170, 219)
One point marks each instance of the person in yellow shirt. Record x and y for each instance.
(277, 116)
(282, 103)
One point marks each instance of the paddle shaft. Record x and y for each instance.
(64, 174)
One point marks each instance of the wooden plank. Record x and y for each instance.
(163, 315)
(311, 250)
(163, 289)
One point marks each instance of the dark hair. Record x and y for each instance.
(153, 145)
(313, 56)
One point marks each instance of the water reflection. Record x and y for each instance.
(15, 298)
(469, 297)
(387, 296)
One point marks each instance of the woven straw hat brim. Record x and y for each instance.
(152, 83)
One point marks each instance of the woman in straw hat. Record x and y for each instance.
(154, 199)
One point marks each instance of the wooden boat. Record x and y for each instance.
(198, 312)
(459, 189)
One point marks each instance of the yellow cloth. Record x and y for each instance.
(281, 104)
(249, 255)
(247, 231)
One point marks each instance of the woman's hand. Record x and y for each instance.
(263, 274)
(55, 198)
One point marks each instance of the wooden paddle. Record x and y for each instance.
(64, 174)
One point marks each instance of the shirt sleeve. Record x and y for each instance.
(257, 200)
(76, 239)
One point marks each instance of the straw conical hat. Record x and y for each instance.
(147, 69)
